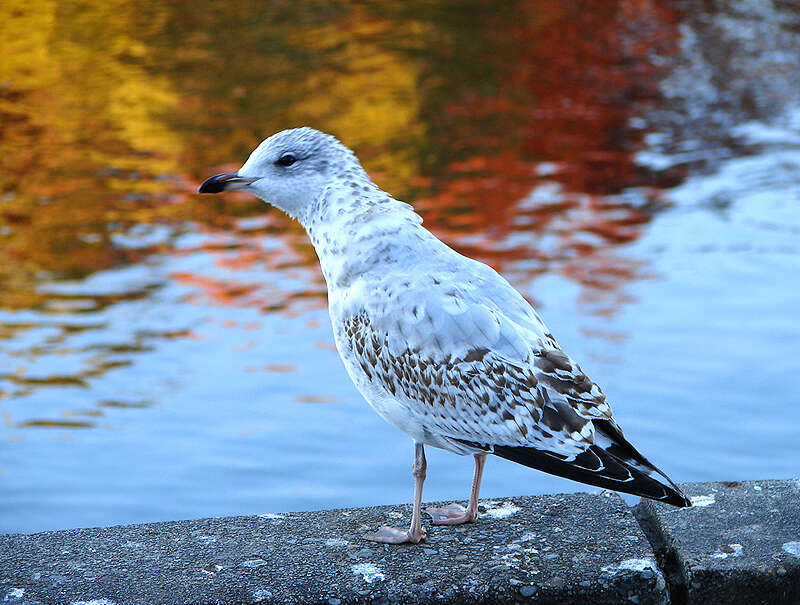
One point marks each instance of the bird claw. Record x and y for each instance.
(452, 514)
(393, 535)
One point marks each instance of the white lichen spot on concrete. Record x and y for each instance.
(253, 563)
(262, 594)
(732, 550)
(793, 548)
(206, 539)
(526, 537)
(336, 542)
(632, 565)
(509, 559)
(506, 509)
(94, 602)
(14, 593)
(703, 500)
(368, 571)
(639, 565)
(510, 555)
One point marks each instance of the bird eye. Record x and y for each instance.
(287, 159)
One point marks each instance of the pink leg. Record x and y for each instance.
(414, 534)
(455, 514)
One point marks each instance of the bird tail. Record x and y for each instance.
(611, 463)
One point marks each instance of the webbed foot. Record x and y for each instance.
(393, 535)
(452, 514)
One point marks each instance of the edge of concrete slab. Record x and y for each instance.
(739, 543)
(565, 548)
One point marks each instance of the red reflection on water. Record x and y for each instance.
(583, 71)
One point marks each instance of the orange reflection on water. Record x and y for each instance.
(511, 129)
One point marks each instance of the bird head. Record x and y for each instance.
(289, 170)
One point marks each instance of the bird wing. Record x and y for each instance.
(468, 369)
(483, 372)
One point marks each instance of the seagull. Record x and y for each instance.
(439, 344)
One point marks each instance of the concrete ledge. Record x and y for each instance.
(574, 548)
(739, 543)
(559, 549)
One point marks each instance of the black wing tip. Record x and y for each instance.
(676, 498)
(607, 475)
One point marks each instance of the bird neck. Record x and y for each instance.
(356, 228)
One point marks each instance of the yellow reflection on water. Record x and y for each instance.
(78, 109)
(369, 96)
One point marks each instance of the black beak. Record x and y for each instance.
(223, 182)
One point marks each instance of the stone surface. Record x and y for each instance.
(575, 548)
(739, 543)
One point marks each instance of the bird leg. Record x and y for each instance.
(415, 533)
(455, 514)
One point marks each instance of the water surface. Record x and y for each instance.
(632, 168)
